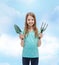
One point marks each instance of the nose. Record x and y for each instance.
(30, 22)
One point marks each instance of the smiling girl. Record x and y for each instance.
(30, 41)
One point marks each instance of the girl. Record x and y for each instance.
(30, 41)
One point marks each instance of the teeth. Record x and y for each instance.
(30, 23)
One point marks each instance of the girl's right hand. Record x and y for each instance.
(21, 36)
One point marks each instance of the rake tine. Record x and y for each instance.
(42, 25)
(46, 27)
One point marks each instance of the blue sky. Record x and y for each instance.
(14, 12)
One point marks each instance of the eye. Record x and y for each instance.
(32, 19)
(28, 19)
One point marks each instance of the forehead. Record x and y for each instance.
(30, 17)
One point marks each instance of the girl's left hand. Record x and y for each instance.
(40, 35)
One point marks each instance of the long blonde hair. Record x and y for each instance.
(34, 26)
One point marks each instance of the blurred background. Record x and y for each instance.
(14, 12)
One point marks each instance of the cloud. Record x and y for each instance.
(4, 64)
(54, 16)
(56, 8)
(10, 46)
(49, 47)
(27, 2)
(7, 16)
(52, 19)
(9, 12)
(48, 52)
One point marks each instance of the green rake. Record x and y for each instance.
(43, 28)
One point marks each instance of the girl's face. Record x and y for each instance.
(30, 21)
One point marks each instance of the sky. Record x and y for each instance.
(14, 12)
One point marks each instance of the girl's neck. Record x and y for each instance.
(30, 28)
